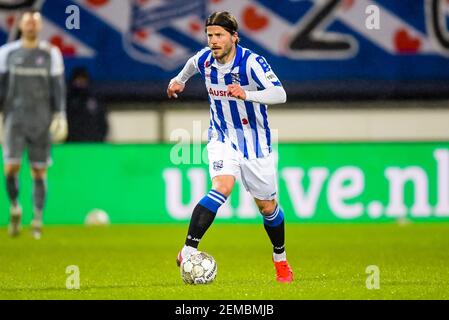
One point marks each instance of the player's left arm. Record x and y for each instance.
(3, 86)
(270, 90)
(58, 127)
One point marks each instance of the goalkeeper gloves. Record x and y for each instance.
(59, 127)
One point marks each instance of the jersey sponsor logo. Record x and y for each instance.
(23, 71)
(218, 165)
(219, 93)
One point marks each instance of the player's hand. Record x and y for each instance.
(59, 127)
(174, 87)
(236, 91)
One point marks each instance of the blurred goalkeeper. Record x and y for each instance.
(32, 90)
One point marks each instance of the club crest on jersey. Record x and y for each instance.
(40, 60)
(235, 78)
(218, 165)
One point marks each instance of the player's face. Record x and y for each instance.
(31, 25)
(220, 41)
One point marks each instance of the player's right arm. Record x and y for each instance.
(3, 74)
(177, 84)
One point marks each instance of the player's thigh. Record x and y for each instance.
(222, 159)
(13, 143)
(259, 177)
(39, 148)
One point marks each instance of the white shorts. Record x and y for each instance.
(257, 175)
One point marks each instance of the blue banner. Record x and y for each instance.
(304, 40)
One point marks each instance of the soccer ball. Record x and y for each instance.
(97, 217)
(198, 268)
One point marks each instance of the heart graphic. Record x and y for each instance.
(97, 3)
(195, 26)
(10, 21)
(167, 49)
(405, 42)
(141, 35)
(347, 4)
(66, 49)
(253, 20)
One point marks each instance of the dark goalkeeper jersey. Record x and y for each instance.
(32, 83)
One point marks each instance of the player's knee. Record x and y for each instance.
(223, 189)
(12, 169)
(223, 185)
(266, 207)
(39, 173)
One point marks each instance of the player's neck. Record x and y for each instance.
(30, 43)
(228, 58)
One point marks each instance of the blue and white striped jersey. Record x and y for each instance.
(242, 123)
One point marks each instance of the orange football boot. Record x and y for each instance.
(283, 271)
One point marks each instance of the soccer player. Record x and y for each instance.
(240, 85)
(32, 90)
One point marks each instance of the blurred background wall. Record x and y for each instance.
(368, 96)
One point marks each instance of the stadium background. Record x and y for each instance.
(367, 109)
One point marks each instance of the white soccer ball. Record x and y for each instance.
(198, 268)
(97, 217)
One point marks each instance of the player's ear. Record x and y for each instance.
(235, 38)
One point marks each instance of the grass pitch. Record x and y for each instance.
(138, 262)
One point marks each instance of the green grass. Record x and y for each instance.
(138, 262)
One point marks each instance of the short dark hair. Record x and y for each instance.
(223, 19)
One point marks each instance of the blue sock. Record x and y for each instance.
(274, 219)
(202, 217)
(274, 226)
(213, 200)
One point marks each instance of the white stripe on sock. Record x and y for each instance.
(273, 215)
(218, 195)
(271, 218)
(215, 199)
